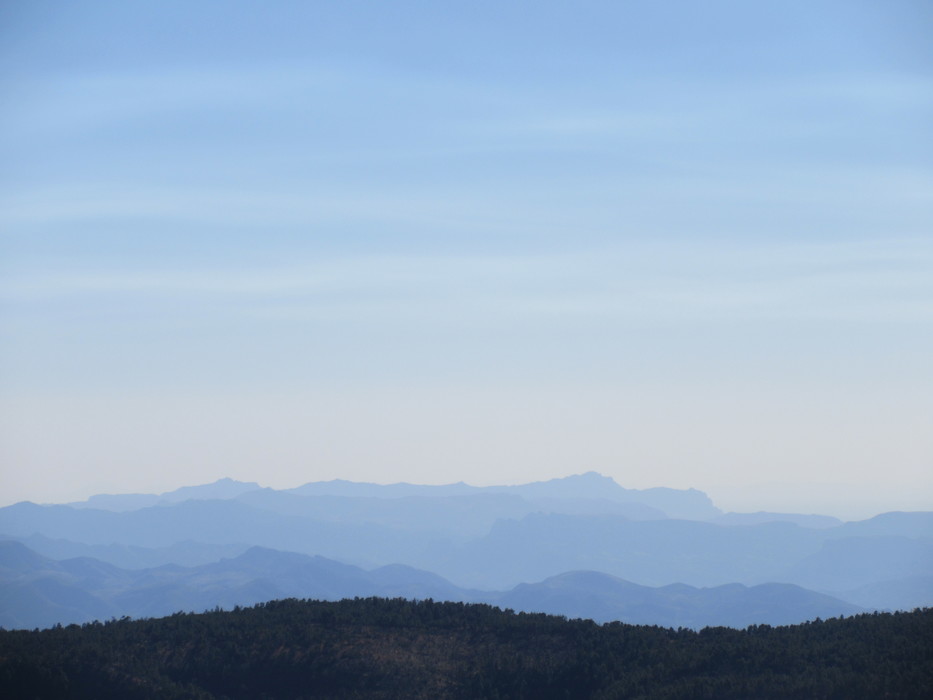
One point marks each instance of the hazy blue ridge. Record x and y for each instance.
(899, 594)
(603, 598)
(220, 489)
(852, 562)
(810, 520)
(495, 538)
(650, 552)
(906, 524)
(129, 556)
(39, 592)
(655, 502)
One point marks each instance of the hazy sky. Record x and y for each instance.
(686, 244)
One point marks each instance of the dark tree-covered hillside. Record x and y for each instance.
(377, 648)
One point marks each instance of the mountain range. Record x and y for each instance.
(578, 546)
(39, 592)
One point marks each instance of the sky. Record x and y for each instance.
(684, 244)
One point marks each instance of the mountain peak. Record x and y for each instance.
(588, 485)
(222, 488)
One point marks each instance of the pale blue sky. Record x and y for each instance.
(681, 243)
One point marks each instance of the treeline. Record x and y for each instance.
(378, 648)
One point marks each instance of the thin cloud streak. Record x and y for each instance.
(450, 206)
(641, 281)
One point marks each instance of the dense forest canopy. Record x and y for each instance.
(380, 648)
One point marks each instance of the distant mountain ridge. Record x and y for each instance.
(665, 502)
(804, 520)
(38, 592)
(495, 538)
(604, 598)
(532, 547)
(220, 489)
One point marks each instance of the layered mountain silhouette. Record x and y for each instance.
(220, 489)
(470, 540)
(39, 592)
(647, 503)
(603, 598)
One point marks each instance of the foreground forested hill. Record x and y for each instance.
(378, 648)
